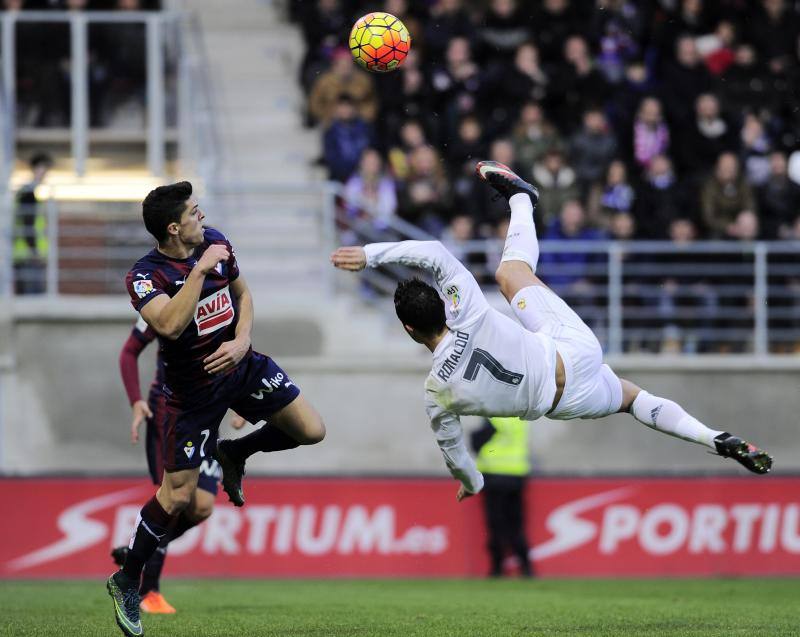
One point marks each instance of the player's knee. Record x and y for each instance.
(629, 393)
(202, 512)
(179, 499)
(314, 433)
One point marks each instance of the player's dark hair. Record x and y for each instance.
(163, 206)
(419, 305)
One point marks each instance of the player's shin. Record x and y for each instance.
(151, 575)
(267, 438)
(521, 243)
(668, 416)
(152, 526)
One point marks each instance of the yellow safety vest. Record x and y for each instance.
(506, 453)
(22, 248)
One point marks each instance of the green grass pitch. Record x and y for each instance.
(424, 608)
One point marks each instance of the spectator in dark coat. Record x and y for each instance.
(345, 139)
(683, 80)
(662, 199)
(709, 135)
(725, 195)
(592, 148)
(779, 200)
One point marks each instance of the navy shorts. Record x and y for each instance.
(255, 390)
(155, 446)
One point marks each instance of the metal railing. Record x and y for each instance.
(700, 297)
(186, 51)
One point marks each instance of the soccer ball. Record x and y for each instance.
(379, 42)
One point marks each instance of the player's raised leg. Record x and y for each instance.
(669, 417)
(293, 424)
(517, 268)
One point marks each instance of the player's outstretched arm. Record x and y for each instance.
(450, 438)
(170, 316)
(455, 282)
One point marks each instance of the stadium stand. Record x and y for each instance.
(636, 120)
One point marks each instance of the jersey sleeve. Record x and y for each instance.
(464, 300)
(449, 434)
(128, 364)
(143, 286)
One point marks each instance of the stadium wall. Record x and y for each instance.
(64, 408)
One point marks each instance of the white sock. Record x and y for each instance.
(668, 416)
(521, 241)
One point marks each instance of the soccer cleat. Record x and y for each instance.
(154, 603)
(125, 594)
(505, 181)
(119, 554)
(232, 474)
(749, 456)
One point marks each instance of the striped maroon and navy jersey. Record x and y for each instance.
(215, 316)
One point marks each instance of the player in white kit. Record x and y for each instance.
(486, 364)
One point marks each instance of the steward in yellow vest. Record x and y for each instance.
(503, 459)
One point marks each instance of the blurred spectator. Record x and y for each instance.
(502, 30)
(618, 25)
(624, 103)
(555, 21)
(30, 247)
(616, 195)
(412, 101)
(469, 145)
(717, 48)
(343, 78)
(501, 446)
(425, 198)
(725, 195)
(708, 136)
(448, 20)
(371, 190)
(778, 200)
(412, 136)
(533, 136)
(742, 86)
(570, 273)
(592, 148)
(622, 226)
(455, 86)
(345, 139)
(510, 85)
(683, 80)
(682, 290)
(756, 145)
(650, 132)
(578, 84)
(774, 29)
(662, 199)
(460, 230)
(690, 19)
(557, 185)
(325, 24)
(744, 227)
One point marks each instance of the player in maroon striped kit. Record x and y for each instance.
(152, 412)
(190, 291)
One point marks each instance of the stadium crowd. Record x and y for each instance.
(667, 114)
(116, 65)
(673, 120)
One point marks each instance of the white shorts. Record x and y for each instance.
(592, 389)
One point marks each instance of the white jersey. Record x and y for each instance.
(487, 365)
